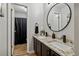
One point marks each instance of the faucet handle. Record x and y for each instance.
(64, 38)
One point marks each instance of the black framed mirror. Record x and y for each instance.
(58, 17)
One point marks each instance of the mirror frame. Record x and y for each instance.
(67, 22)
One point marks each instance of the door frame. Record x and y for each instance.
(10, 27)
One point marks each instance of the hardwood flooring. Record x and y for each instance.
(21, 50)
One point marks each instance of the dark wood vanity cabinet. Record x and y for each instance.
(37, 47)
(45, 50)
(42, 50)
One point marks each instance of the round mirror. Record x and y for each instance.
(59, 17)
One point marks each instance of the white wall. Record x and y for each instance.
(19, 11)
(35, 15)
(76, 28)
(3, 33)
(21, 15)
(68, 31)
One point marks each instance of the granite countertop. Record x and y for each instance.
(55, 44)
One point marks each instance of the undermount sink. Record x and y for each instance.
(62, 47)
(50, 40)
(55, 43)
(47, 39)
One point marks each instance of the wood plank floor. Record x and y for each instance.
(21, 50)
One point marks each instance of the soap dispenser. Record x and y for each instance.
(64, 38)
(46, 34)
(53, 35)
(36, 28)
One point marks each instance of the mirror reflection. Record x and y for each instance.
(59, 17)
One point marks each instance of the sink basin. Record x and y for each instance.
(50, 40)
(47, 39)
(62, 47)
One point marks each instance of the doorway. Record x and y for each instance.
(20, 30)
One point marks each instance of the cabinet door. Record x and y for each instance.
(45, 50)
(42, 50)
(35, 45)
(39, 48)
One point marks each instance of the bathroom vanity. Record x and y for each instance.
(58, 18)
(46, 46)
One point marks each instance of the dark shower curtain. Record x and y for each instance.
(20, 30)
